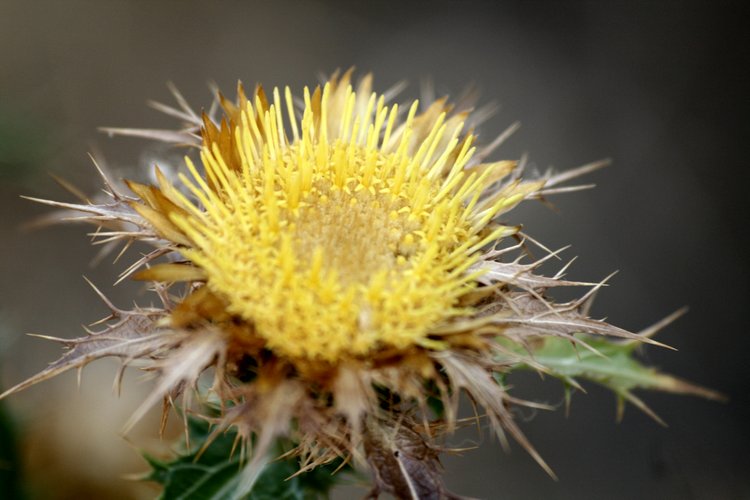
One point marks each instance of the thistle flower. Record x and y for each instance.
(335, 265)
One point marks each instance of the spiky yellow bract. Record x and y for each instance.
(344, 238)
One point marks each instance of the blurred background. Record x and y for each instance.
(656, 86)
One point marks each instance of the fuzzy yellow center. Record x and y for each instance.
(341, 234)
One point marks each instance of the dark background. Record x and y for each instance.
(659, 87)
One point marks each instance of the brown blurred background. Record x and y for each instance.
(656, 86)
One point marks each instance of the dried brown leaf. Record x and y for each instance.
(133, 336)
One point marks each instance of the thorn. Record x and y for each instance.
(497, 142)
(117, 312)
(70, 188)
(637, 402)
(394, 90)
(114, 193)
(173, 112)
(567, 401)
(550, 255)
(165, 407)
(125, 247)
(181, 101)
(117, 384)
(585, 307)
(577, 172)
(537, 243)
(661, 324)
(48, 337)
(561, 273)
(591, 293)
(561, 190)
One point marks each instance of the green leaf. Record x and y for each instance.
(214, 474)
(609, 363)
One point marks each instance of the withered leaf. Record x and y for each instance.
(531, 315)
(133, 336)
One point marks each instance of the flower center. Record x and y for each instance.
(358, 233)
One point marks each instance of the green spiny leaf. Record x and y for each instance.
(214, 473)
(609, 363)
